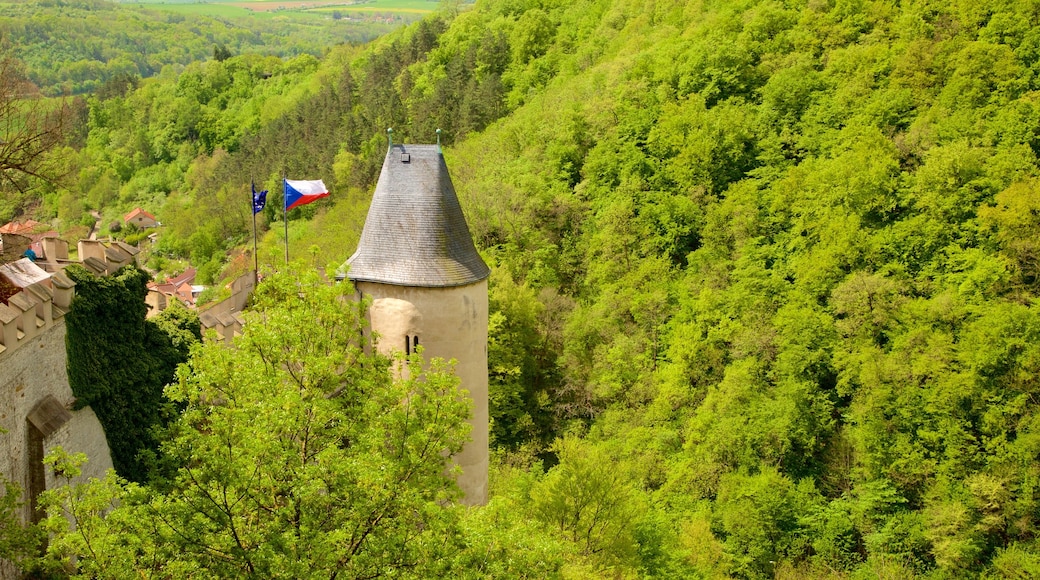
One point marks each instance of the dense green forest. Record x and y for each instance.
(764, 276)
(66, 49)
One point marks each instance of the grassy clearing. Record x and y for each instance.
(266, 8)
(204, 9)
(391, 6)
(410, 6)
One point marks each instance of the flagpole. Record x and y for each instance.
(256, 260)
(285, 218)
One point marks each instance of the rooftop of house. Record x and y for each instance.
(137, 212)
(23, 228)
(415, 233)
(131, 250)
(30, 228)
(187, 275)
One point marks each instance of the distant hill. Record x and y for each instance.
(76, 46)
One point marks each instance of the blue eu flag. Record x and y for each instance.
(259, 199)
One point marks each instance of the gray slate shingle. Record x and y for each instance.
(415, 233)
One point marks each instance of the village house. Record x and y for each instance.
(140, 218)
(21, 228)
(181, 287)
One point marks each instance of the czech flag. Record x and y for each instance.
(299, 192)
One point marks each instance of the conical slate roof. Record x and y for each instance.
(415, 233)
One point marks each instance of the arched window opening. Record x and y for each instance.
(46, 417)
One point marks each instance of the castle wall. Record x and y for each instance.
(90, 249)
(450, 323)
(224, 316)
(28, 375)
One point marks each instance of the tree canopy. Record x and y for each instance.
(295, 456)
(766, 270)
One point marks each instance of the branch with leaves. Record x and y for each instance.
(30, 127)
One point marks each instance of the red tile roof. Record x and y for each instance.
(136, 212)
(18, 227)
(186, 276)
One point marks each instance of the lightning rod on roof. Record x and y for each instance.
(390, 137)
(438, 140)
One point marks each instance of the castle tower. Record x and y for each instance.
(428, 285)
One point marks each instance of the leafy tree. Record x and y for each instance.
(587, 498)
(296, 456)
(1015, 219)
(221, 52)
(758, 517)
(30, 128)
(19, 543)
(521, 363)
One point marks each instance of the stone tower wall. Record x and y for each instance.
(30, 375)
(451, 323)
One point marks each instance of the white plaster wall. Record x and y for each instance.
(27, 375)
(82, 434)
(451, 323)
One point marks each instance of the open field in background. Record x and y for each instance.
(265, 8)
(395, 6)
(204, 9)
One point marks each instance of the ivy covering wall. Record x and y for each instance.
(119, 362)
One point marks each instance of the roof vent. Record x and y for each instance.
(406, 157)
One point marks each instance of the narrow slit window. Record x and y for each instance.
(37, 476)
(415, 343)
(407, 344)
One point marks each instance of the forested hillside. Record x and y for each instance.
(67, 50)
(764, 273)
(777, 262)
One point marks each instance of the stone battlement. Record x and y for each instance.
(50, 298)
(224, 317)
(35, 300)
(37, 405)
(105, 258)
(36, 295)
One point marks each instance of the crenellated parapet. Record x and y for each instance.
(36, 295)
(228, 325)
(64, 290)
(37, 406)
(224, 316)
(90, 249)
(105, 256)
(34, 300)
(38, 409)
(55, 249)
